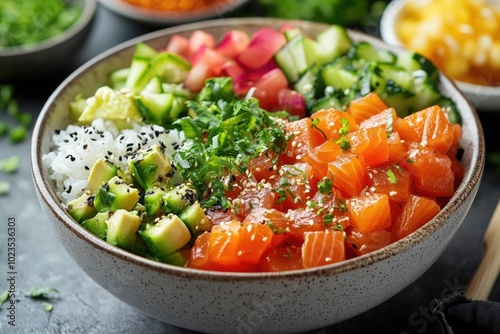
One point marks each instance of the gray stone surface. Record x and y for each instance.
(84, 307)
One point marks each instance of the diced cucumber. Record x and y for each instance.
(292, 33)
(425, 94)
(177, 90)
(328, 102)
(411, 61)
(292, 59)
(118, 78)
(170, 67)
(153, 201)
(155, 108)
(338, 78)
(333, 42)
(143, 54)
(450, 109)
(367, 52)
(154, 86)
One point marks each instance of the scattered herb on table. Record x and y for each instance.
(17, 133)
(10, 165)
(494, 159)
(4, 297)
(4, 188)
(48, 307)
(41, 293)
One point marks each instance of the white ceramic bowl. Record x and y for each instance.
(21, 62)
(166, 18)
(484, 98)
(219, 302)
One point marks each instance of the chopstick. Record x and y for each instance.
(484, 278)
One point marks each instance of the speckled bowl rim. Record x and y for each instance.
(43, 184)
(89, 10)
(170, 17)
(481, 93)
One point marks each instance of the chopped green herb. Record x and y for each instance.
(345, 127)
(10, 165)
(17, 134)
(410, 161)
(276, 230)
(342, 205)
(312, 204)
(223, 137)
(328, 219)
(315, 123)
(4, 297)
(4, 188)
(337, 227)
(392, 177)
(48, 307)
(41, 293)
(52, 18)
(344, 143)
(325, 186)
(4, 129)
(494, 159)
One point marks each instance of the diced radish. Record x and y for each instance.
(178, 44)
(195, 79)
(250, 78)
(268, 86)
(209, 56)
(233, 70)
(292, 101)
(233, 43)
(263, 45)
(199, 38)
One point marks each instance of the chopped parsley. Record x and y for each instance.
(344, 143)
(345, 127)
(392, 177)
(315, 123)
(225, 134)
(325, 186)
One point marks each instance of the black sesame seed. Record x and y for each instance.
(85, 146)
(87, 168)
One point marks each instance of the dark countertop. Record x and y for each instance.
(84, 307)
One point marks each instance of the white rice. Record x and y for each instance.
(77, 148)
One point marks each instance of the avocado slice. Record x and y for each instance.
(178, 258)
(179, 198)
(150, 167)
(101, 172)
(166, 236)
(82, 208)
(122, 229)
(97, 225)
(116, 194)
(195, 219)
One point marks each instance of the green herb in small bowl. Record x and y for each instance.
(39, 36)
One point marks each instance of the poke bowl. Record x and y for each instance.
(225, 294)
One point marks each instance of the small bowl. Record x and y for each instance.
(166, 18)
(484, 98)
(28, 61)
(225, 302)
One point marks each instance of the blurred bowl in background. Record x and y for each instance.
(33, 60)
(483, 97)
(171, 17)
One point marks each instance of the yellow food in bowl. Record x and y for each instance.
(461, 37)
